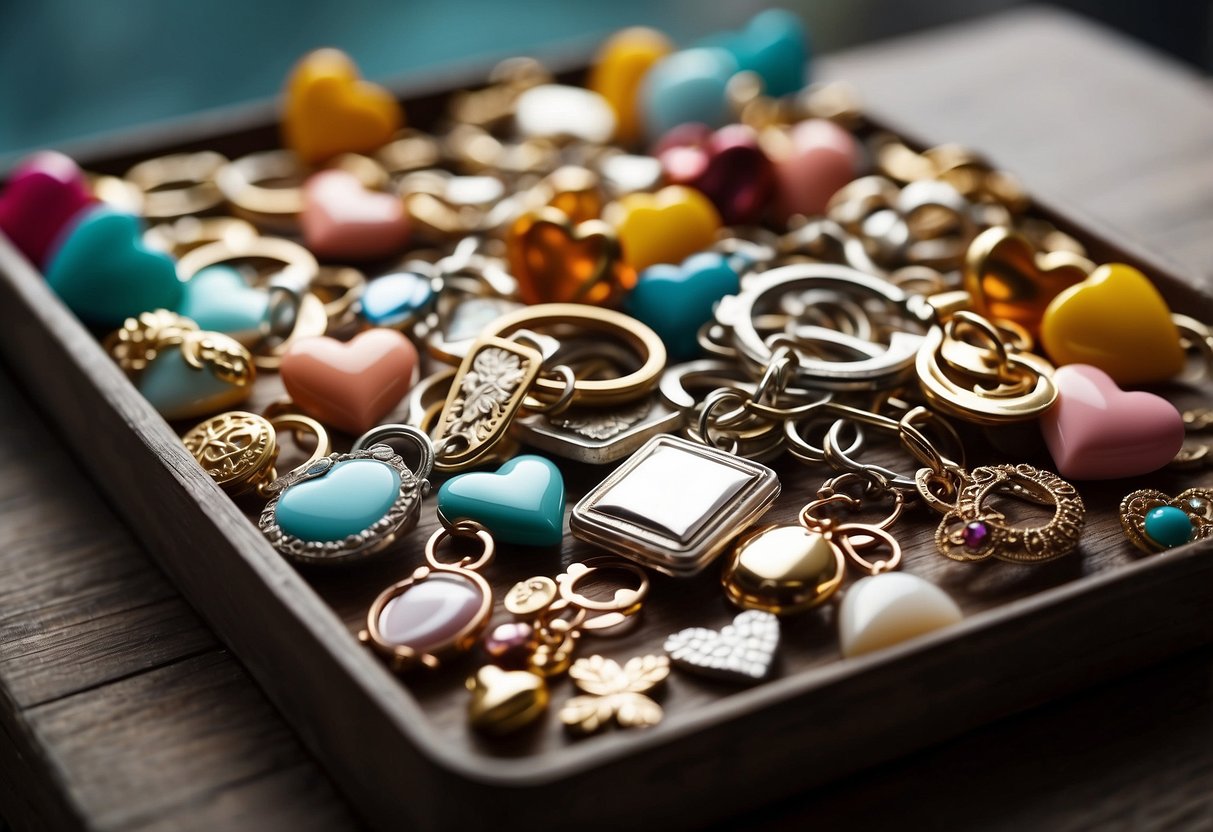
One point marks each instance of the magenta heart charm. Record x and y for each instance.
(1096, 431)
(43, 194)
(727, 166)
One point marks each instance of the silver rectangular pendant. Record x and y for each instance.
(597, 435)
(675, 505)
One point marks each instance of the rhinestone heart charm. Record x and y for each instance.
(741, 651)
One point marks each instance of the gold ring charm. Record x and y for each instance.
(1154, 521)
(346, 507)
(238, 450)
(971, 531)
(298, 265)
(438, 611)
(179, 184)
(188, 233)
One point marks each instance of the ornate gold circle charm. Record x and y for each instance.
(236, 449)
(972, 531)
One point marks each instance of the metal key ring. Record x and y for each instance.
(893, 363)
(843, 460)
(414, 436)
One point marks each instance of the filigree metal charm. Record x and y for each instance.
(1154, 521)
(238, 450)
(742, 651)
(972, 531)
(614, 693)
(488, 390)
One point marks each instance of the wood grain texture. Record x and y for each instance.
(347, 595)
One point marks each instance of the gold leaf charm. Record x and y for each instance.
(1153, 521)
(614, 692)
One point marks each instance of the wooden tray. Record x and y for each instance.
(402, 750)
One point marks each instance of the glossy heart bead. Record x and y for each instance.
(1008, 279)
(727, 166)
(816, 158)
(342, 220)
(675, 301)
(665, 227)
(350, 497)
(523, 502)
(396, 299)
(887, 609)
(330, 110)
(685, 87)
(1096, 431)
(104, 273)
(1117, 321)
(555, 111)
(180, 391)
(620, 67)
(350, 386)
(774, 46)
(43, 194)
(219, 299)
(555, 261)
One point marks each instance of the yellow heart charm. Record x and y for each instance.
(1117, 321)
(330, 109)
(1008, 279)
(665, 227)
(620, 67)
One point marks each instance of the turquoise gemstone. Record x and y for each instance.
(523, 502)
(350, 497)
(219, 299)
(675, 301)
(395, 299)
(685, 87)
(179, 391)
(774, 46)
(104, 274)
(1168, 526)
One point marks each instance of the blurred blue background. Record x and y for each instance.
(75, 68)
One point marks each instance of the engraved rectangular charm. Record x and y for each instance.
(675, 505)
(486, 394)
(597, 435)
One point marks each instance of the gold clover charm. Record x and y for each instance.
(1154, 521)
(614, 692)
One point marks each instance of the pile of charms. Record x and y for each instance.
(774, 277)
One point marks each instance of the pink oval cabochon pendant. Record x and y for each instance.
(1097, 431)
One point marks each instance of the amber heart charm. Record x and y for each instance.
(555, 261)
(1008, 279)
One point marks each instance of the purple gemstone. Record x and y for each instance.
(509, 645)
(431, 613)
(974, 535)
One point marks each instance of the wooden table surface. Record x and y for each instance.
(120, 710)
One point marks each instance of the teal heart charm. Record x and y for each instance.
(774, 46)
(523, 502)
(687, 87)
(105, 274)
(219, 299)
(675, 301)
(349, 498)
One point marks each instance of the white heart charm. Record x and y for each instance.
(890, 608)
(743, 650)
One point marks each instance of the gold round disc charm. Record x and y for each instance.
(236, 449)
(783, 569)
(530, 597)
(972, 531)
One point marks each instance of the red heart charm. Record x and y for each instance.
(43, 193)
(1096, 431)
(727, 166)
(350, 386)
(342, 220)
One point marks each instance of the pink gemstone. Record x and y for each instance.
(974, 535)
(509, 645)
(431, 613)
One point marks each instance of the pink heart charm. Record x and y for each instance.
(43, 194)
(353, 385)
(342, 220)
(727, 166)
(1096, 431)
(820, 159)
